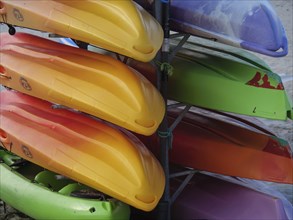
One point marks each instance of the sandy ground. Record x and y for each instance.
(283, 66)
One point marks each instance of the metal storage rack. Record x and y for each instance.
(161, 10)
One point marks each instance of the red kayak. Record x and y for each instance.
(87, 150)
(209, 144)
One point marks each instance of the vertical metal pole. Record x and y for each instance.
(162, 15)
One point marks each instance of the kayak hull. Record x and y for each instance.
(96, 84)
(225, 84)
(120, 26)
(251, 25)
(209, 144)
(259, 101)
(207, 197)
(34, 199)
(84, 149)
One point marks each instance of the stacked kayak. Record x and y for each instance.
(210, 197)
(252, 25)
(54, 120)
(213, 145)
(84, 149)
(63, 130)
(57, 196)
(81, 80)
(216, 82)
(120, 26)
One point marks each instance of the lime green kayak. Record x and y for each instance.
(225, 82)
(42, 194)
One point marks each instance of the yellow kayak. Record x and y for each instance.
(96, 84)
(120, 26)
(86, 150)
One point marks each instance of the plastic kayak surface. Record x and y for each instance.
(252, 25)
(222, 83)
(225, 50)
(207, 197)
(120, 26)
(213, 145)
(42, 194)
(96, 84)
(84, 149)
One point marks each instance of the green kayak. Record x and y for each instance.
(224, 50)
(221, 81)
(42, 194)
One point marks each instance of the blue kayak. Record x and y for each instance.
(251, 25)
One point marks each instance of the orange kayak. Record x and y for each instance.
(213, 145)
(93, 83)
(120, 26)
(86, 150)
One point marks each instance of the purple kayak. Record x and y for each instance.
(251, 25)
(207, 197)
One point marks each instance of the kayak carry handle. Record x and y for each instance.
(3, 75)
(5, 140)
(3, 136)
